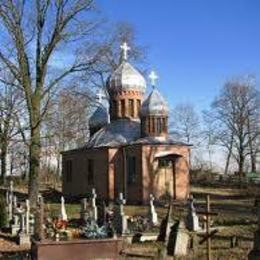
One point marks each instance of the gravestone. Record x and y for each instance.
(9, 203)
(165, 227)
(15, 226)
(120, 220)
(24, 236)
(84, 215)
(63, 214)
(255, 252)
(192, 220)
(152, 215)
(94, 213)
(102, 214)
(178, 240)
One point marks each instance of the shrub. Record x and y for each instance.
(3, 213)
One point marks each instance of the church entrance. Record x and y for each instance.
(167, 175)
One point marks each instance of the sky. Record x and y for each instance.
(194, 45)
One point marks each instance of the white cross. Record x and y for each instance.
(125, 48)
(100, 96)
(153, 77)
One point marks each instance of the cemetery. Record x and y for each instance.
(209, 223)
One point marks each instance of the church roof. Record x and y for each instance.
(117, 133)
(154, 104)
(163, 140)
(126, 77)
(99, 117)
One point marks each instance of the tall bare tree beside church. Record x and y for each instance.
(237, 110)
(34, 35)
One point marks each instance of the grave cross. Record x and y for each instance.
(93, 204)
(121, 202)
(94, 196)
(27, 216)
(209, 234)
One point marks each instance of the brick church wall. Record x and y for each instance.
(160, 181)
(79, 182)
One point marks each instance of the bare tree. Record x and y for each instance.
(185, 124)
(11, 102)
(35, 35)
(234, 108)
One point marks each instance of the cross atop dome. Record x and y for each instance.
(125, 48)
(153, 77)
(100, 96)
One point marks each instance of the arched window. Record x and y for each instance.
(131, 111)
(138, 105)
(122, 103)
(159, 125)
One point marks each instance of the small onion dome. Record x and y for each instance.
(154, 105)
(125, 78)
(99, 118)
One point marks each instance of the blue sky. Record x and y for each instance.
(194, 45)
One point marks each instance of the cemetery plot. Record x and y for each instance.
(147, 231)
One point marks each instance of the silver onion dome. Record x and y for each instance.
(99, 118)
(126, 77)
(154, 105)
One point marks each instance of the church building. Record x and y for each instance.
(129, 149)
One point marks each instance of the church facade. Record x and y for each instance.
(129, 149)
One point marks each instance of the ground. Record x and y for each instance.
(236, 218)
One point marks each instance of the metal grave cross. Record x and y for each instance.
(208, 234)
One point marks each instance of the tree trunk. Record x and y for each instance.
(250, 143)
(35, 149)
(229, 155)
(35, 152)
(240, 170)
(3, 160)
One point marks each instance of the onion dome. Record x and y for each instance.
(126, 77)
(154, 105)
(99, 118)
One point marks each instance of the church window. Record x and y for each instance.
(90, 171)
(131, 170)
(131, 107)
(153, 125)
(114, 109)
(164, 163)
(164, 124)
(68, 171)
(122, 102)
(159, 125)
(138, 106)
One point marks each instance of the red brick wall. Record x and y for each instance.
(79, 184)
(157, 180)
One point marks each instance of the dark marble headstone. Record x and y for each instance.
(165, 227)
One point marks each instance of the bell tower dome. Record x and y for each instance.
(126, 87)
(154, 113)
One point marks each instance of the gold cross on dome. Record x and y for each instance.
(125, 48)
(153, 77)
